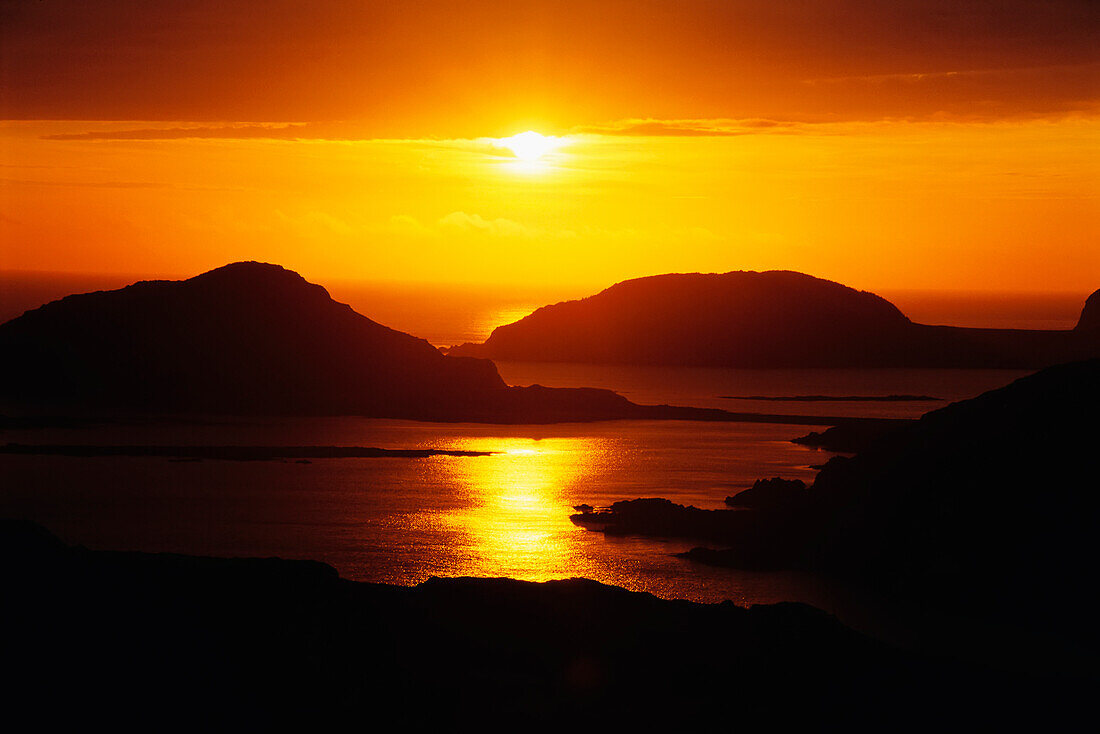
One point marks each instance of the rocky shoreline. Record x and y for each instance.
(961, 510)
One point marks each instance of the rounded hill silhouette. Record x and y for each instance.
(254, 338)
(762, 320)
(1090, 315)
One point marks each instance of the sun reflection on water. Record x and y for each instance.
(516, 518)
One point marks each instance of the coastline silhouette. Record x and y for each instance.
(774, 319)
(954, 513)
(256, 339)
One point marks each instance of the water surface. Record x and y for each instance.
(704, 386)
(403, 520)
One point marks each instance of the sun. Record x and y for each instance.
(530, 145)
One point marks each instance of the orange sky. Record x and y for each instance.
(885, 145)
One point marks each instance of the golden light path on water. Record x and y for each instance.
(509, 516)
(516, 520)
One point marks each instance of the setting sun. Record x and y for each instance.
(530, 145)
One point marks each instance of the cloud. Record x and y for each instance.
(88, 184)
(337, 132)
(285, 131)
(1087, 70)
(404, 224)
(115, 184)
(637, 127)
(315, 223)
(1048, 91)
(427, 67)
(277, 131)
(721, 127)
(475, 223)
(461, 223)
(290, 131)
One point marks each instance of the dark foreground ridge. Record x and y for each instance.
(174, 641)
(230, 453)
(985, 508)
(763, 320)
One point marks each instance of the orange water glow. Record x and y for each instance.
(517, 522)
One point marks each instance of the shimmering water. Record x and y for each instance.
(704, 387)
(402, 520)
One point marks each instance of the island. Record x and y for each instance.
(773, 319)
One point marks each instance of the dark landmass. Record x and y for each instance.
(1089, 323)
(245, 338)
(175, 642)
(672, 412)
(24, 422)
(256, 339)
(983, 497)
(774, 493)
(660, 517)
(836, 398)
(986, 508)
(230, 453)
(847, 438)
(763, 320)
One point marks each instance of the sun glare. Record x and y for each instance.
(530, 145)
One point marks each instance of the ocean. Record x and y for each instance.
(403, 520)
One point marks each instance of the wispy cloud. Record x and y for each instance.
(277, 131)
(475, 223)
(284, 131)
(88, 184)
(347, 132)
(1090, 69)
(460, 223)
(719, 127)
(304, 131)
(115, 184)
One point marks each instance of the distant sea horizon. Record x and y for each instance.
(450, 314)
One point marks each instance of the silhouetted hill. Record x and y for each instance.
(985, 495)
(988, 507)
(769, 319)
(1090, 315)
(981, 515)
(247, 337)
(254, 338)
(176, 642)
